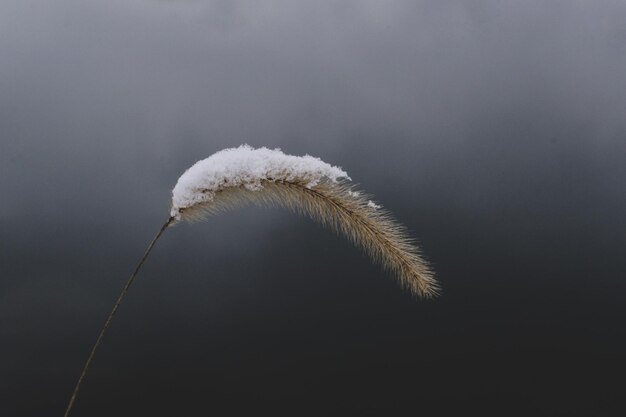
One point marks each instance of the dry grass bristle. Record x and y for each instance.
(337, 205)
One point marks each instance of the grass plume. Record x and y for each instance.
(307, 185)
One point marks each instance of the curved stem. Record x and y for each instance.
(120, 298)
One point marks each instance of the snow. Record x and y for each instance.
(373, 205)
(247, 167)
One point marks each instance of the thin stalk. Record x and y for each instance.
(113, 311)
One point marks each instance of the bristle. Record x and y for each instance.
(337, 205)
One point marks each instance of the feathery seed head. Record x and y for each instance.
(307, 185)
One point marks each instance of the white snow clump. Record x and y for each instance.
(247, 167)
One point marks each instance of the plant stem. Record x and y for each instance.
(113, 311)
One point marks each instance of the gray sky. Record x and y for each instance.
(494, 130)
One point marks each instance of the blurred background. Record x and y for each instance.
(493, 130)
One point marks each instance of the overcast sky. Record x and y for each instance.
(494, 130)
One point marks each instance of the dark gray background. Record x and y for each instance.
(494, 130)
